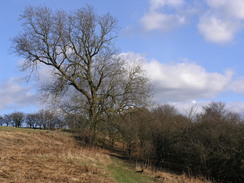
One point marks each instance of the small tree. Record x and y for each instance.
(31, 120)
(47, 119)
(7, 119)
(1, 120)
(17, 118)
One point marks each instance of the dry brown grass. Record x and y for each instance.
(48, 157)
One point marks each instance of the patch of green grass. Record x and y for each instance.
(123, 173)
(14, 129)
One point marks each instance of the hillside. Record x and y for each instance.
(28, 156)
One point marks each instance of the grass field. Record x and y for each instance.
(38, 156)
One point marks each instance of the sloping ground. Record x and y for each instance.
(36, 156)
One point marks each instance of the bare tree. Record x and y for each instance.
(217, 111)
(79, 48)
(7, 119)
(31, 120)
(17, 118)
(191, 113)
(1, 120)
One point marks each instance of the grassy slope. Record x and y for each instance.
(28, 156)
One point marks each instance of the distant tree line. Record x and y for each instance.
(42, 119)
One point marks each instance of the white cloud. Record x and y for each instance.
(228, 8)
(185, 81)
(182, 81)
(238, 86)
(13, 95)
(217, 30)
(156, 4)
(160, 21)
(165, 15)
(237, 107)
(221, 22)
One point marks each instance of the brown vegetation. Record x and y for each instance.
(47, 157)
(208, 144)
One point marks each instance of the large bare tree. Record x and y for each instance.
(79, 48)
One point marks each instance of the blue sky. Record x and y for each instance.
(193, 50)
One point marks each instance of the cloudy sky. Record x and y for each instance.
(193, 50)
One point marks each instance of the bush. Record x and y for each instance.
(211, 146)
